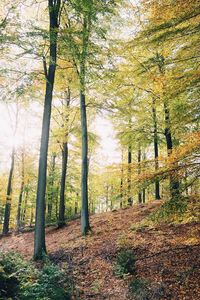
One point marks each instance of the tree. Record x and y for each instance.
(39, 242)
(82, 22)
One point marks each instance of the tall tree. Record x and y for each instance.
(82, 22)
(39, 242)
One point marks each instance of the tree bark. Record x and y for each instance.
(61, 218)
(51, 184)
(155, 137)
(20, 195)
(174, 183)
(39, 242)
(144, 195)
(8, 196)
(23, 215)
(85, 225)
(130, 200)
(139, 172)
(121, 184)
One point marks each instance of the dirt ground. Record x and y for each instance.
(167, 256)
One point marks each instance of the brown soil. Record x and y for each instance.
(167, 256)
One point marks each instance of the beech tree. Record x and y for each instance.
(49, 71)
(82, 23)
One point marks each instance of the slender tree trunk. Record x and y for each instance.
(143, 195)
(51, 184)
(111, 198)
(85, 225)
(20, 195)
(121, 184)
(107, 197)
(8, 196)
(31, 217)
(39, 242)
(23, 215)
(61, 219)
(174, 183)
(157, 183)
(130, 200)
(76, 205)
(139, 172)
(121, 192)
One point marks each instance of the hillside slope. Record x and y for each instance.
(167, 256)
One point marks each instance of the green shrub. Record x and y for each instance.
(22, 280)
(125, 263)
(138, 289)
(141, 289)
(171, 209)
(11, 265)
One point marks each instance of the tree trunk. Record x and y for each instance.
(139, 172)
(23, 216)
(130, 200)
(61, 219)
(76, 205)
(31, 216)
(174, 183)
(143, 195)
(20, 195)
(39, 242)
(51, 184)
(8, 196)
(85, 225)
(157, 183)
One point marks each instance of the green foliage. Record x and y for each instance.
(174, 207)
(125, 263)
(11, 267)
(138, 288)
(141, 289)
(22, 280)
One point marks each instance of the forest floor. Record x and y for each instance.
(167, 255)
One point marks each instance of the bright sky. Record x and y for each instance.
(29, 131)
(109, 152)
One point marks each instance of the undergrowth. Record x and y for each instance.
(125, 263)
(176, 210)
(24, 281)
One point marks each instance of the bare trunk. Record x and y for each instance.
(51, 184)
(61, 219)
(85, 226)
(8, 196)
(39, 242)
(139, 172)
(174, 183)
(130, 200)
(157, 183)
(20, 195)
